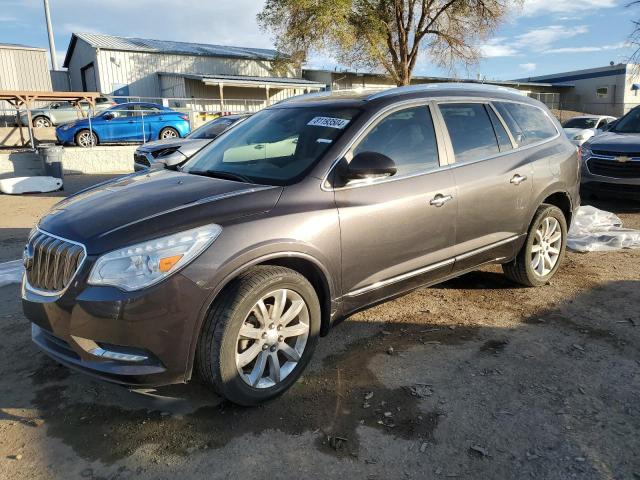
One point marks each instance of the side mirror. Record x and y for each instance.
(108, 116)
(366, 165)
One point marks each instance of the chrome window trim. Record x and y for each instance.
(57, 293)
(429, 268)
(368, 126)
(441, 134)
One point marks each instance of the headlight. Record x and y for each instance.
(66, 126)
(581, 136)
(138, 266)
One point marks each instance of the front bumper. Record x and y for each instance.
(156, 325)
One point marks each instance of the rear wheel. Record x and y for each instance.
(168, 132)
(260, 335)
(543, 251)
(86, 138)
(41, 122)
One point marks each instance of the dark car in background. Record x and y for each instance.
(170, 153)
(126, 122)
(611, 160)
(299, 216)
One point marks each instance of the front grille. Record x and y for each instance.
(52, 262)
(614, 169)
(141, 159)
(610, 153)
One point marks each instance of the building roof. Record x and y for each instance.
(562, 77)
(248, 81)
(505, 83)
(132, 44)
(19, 46)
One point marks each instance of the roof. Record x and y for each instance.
(19, 46)
(562, 77)
(248, 81)
(506, 83)
(132, 44)
(359, 97)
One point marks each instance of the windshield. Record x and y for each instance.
(275, 146)
(630, 123)
(580, 123)
(213, 128)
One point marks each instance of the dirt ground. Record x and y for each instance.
(474, 379)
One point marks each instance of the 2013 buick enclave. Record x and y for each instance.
(305, 213)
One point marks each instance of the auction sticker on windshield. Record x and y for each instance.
(329, 122)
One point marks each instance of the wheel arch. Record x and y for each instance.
(308, 266)
(557, 196)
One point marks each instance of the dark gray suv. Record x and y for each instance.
(298, 217)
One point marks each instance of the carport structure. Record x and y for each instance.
(27, 99)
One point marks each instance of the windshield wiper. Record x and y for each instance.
(224, 175)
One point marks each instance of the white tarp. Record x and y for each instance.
(595, 230)
(10, 272)
(20, 185)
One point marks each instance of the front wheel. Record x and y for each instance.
(168, 132)
(259, 335)
(86, 138)
(41, 122)
(543, 251)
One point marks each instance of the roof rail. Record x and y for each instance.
(438, 86)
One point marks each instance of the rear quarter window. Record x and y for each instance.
(528, 124)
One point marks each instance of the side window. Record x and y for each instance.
(407, 137)
(504, 142)
(530, 123)
(470, 130)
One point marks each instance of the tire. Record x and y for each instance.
(168, 132)
(86, 139)
(220, 351)
(41, 122)
(521, 270)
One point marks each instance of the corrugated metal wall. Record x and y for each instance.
(139, 69)
(24, 69)
(60, 81)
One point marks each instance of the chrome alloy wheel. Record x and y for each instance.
(547, 244)
(272, 338)
(168, 133)
(86, 139)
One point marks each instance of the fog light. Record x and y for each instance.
(121, 357)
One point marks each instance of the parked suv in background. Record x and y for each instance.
(57, 113)
(612, 159)
(171, 152)
(236, 264)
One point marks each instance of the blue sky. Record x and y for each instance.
(540, 37)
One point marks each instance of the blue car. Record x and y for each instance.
(126, 122)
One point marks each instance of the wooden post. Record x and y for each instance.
(221, 87)
(266, 89)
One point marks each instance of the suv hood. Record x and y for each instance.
(187, 146)
(148, 205)
(616, 142)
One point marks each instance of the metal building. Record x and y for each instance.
(214, 75)
(24, 68)
(610, 90)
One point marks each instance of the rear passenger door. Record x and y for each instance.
(397, 232)
(494, 183)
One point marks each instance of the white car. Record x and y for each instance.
(581, 129)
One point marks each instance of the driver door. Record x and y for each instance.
(395, 233)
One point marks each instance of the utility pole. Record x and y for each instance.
(52, 44)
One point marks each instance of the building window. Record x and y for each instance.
(602, 92)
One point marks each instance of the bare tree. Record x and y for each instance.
(634, 38)
(387, 34)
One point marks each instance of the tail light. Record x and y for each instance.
(184, 117)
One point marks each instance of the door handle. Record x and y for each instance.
(517, 179)
(439, 200)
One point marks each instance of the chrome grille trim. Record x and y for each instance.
(56, 262)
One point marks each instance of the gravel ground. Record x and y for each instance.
(475, 378)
